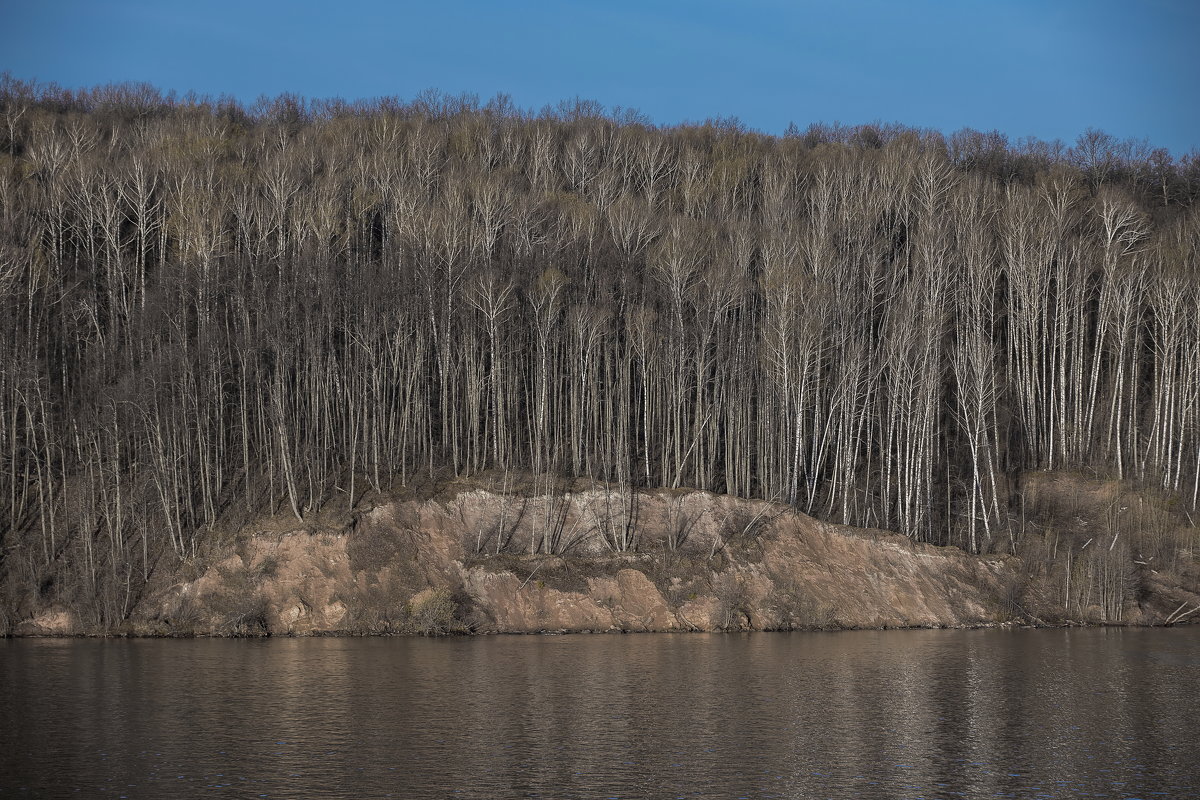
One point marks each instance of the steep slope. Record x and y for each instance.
(705, 562)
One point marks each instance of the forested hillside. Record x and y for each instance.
(209, 311)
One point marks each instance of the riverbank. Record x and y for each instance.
(664, 560)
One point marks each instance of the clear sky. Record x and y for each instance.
(1047, 68)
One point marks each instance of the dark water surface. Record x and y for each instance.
(1049, 714)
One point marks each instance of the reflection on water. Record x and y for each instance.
(1048, 714)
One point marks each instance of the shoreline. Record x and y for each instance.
(420, 566)
(1010, 626)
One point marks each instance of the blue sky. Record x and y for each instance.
(1047, 68)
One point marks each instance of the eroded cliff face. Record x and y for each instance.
(462, 564)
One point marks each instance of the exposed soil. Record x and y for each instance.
(460, 562)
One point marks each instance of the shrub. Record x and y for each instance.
(435, 614)
(732, 611)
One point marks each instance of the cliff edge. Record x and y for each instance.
(482, 561)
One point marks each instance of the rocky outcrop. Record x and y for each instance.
(463, 563)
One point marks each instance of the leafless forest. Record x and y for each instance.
(210, 311)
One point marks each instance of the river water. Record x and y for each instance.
(887, 714)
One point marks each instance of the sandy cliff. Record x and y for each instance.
(703, 562)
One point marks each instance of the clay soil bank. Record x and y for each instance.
(613, 561)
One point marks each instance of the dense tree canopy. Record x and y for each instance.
(207, 308)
